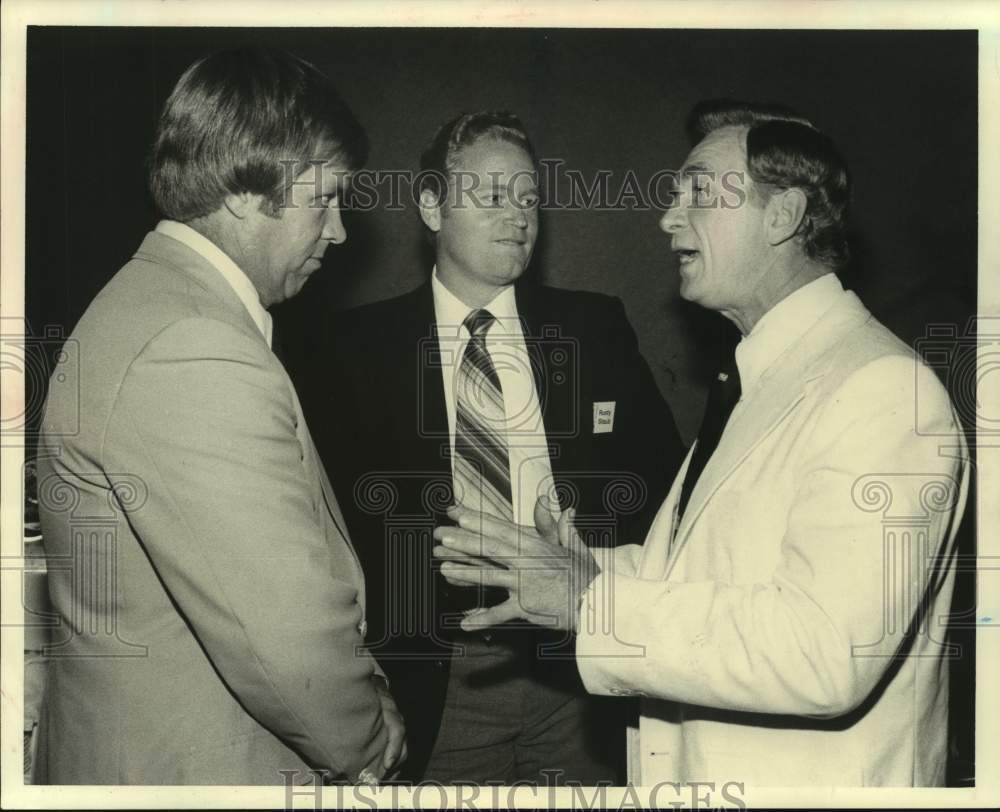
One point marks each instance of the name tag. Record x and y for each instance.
(604, 416)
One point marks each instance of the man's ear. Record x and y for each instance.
(785, 212)
(240, 205)
(430, 210)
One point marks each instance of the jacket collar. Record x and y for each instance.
(163, 250)
(774, 396)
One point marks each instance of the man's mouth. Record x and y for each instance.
(686, 255)
(510, 241)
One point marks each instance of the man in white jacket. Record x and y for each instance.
(784, 620)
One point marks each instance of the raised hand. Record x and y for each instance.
(545, 569)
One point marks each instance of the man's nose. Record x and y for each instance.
(516, 214)
(333, 226)
(672, 219)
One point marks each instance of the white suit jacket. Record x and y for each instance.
(789, 631)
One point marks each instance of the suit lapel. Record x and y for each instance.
(329, 498)
(776, 395)
(426, 403)
(167, 251)
(555, 401)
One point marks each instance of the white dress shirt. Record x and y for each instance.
(531, 470)
(781, 327)
(220, 260)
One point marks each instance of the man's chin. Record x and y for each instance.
(294, 285)
(686, 289)
(510, 273)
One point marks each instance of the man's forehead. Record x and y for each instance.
(494, 157)
(330, 173)
(721, 150)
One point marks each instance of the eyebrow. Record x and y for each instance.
(690, 169)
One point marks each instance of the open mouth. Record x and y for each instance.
(686, 255)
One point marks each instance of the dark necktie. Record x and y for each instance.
(482, 462)
(722, 398)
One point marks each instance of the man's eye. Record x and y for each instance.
(530, 202)
(701, 193)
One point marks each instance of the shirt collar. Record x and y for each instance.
(783, 325)
(220, 260)
(450, 310)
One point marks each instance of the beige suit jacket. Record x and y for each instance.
(211, 606)
(790, 630)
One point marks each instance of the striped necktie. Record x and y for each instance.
(481, 462)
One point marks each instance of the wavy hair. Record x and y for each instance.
(247, 120)
(785, 150)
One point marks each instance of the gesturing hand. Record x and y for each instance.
(545, 569)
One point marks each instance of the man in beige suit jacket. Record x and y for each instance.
(212, 630)
(784, 621)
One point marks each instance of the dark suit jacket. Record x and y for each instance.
(379, 417)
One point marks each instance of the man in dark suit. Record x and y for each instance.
(478, 389)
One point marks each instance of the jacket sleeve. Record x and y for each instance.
(232, 529)
(812, 639)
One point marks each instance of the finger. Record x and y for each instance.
(394, 748)
(473, 612)
(472, 543)
(448, 554)
(566, 529)
(471, 560)
(461, 575)
(490, 526)
(493, 616)
(545, 523)
(570, 538)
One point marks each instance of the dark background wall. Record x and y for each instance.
(902, 106)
